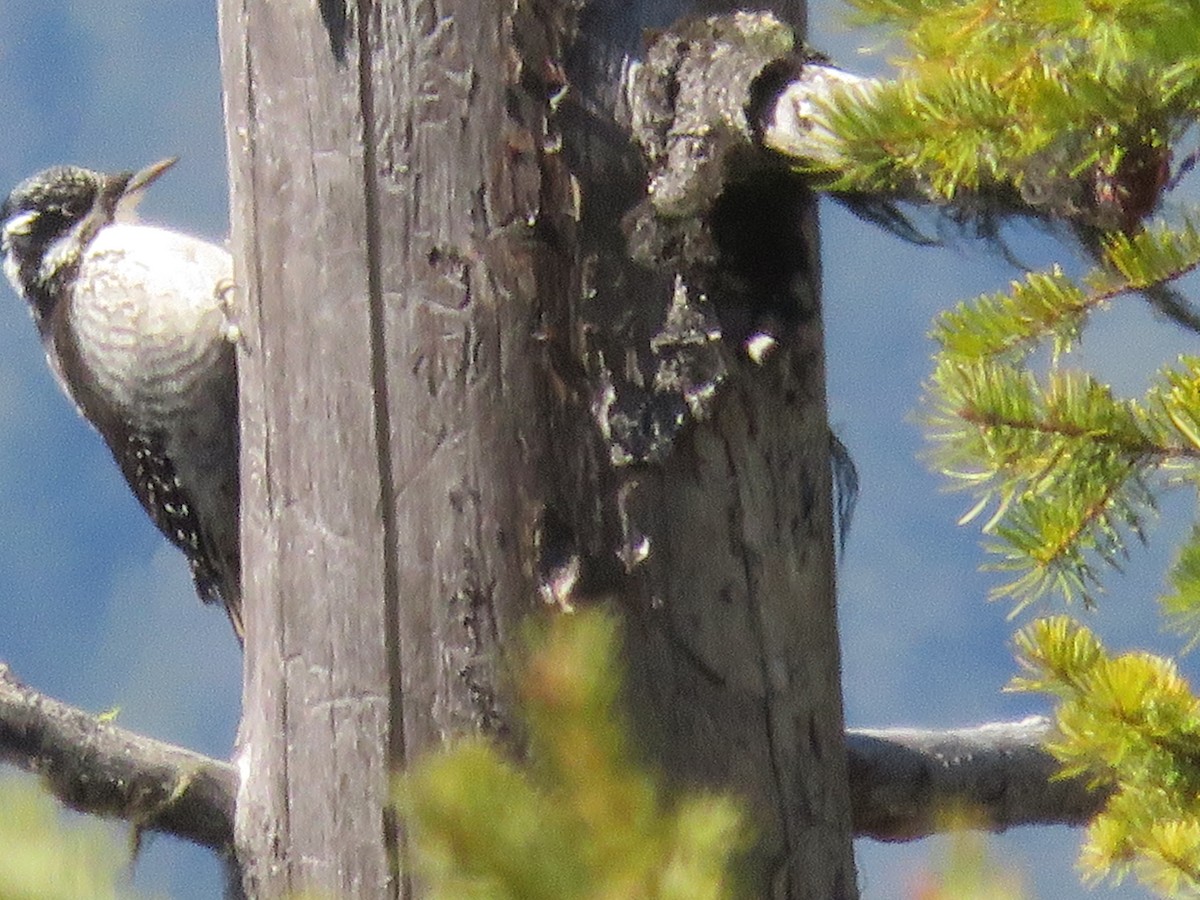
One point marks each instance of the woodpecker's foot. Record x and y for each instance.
(225, 293)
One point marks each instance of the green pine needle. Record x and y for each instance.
(1131, 723)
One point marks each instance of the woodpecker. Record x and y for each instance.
(136, 326)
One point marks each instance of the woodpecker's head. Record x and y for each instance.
(50, 217)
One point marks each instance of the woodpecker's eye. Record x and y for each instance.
(72, 210)
(49, 223)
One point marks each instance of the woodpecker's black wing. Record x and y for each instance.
(152, 477)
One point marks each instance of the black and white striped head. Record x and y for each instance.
(50, 217)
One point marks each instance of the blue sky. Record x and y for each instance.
(99, 611)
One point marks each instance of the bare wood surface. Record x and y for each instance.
(381, 211)
(906, 783)
(732, 638)
(317, 696)
(436, 289)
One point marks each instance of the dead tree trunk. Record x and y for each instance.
(455, 401)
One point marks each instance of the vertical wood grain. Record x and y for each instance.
(316, 698)
(424, 253)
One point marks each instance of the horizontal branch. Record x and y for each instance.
(97, 768)
(902, 781)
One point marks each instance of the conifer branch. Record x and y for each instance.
(1129, 721)
(1068, 467)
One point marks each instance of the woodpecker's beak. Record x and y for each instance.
(131, 193)
(141, 180)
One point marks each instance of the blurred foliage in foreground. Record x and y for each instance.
(963, 870)
(45, 857)
(580, 818)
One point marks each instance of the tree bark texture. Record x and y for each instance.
(461, 394)
(316, 738)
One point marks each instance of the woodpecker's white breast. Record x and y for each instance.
(149, 318)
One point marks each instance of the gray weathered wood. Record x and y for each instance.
(317, 699)
(731, 620)
(434, 285)
(907, 783)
